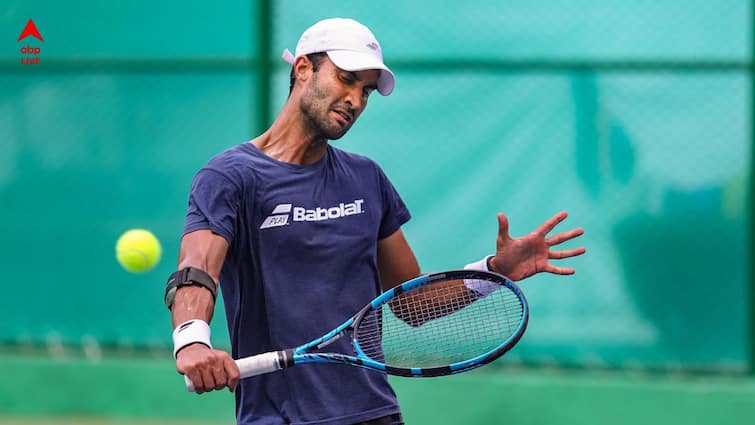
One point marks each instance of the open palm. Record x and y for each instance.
(520, 258)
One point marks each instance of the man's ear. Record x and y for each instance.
(303, 68)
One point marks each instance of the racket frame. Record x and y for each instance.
(277, 360)
(303, 354)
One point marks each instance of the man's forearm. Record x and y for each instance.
(192, 302)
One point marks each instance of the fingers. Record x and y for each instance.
(550, 268)
(566, 253)
(551, 223)
(208, 379)
(232, 372)
(218, 376)
(503, 226)
(564, 236)
(196, 381)
(208, 369)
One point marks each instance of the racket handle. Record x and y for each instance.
(189, 384)
(256, 365)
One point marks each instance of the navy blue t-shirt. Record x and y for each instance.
(302, 259)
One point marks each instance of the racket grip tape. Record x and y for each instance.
(258, 365)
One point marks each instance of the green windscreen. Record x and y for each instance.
(633, 117)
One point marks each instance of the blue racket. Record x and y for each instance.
(436, 324)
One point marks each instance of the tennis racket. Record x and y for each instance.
(436, 324)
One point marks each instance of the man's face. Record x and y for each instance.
(334, 98)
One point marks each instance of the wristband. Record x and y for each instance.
(482, 287)
(188, 333)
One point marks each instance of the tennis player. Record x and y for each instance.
(300, 235)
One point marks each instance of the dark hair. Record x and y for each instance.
(316, 59)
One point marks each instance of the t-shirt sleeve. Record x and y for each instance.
(213, 204)
(395, 212)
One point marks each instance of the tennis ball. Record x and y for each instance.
(138, 250)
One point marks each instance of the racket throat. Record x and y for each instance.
(329, 341)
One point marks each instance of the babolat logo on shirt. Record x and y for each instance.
(282, 212)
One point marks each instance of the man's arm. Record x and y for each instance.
(516, 258)
(397, 264)
(208, 369)
(206, 251)
(396, 261)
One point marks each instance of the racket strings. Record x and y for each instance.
(439, 324)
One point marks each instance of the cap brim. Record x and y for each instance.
(357, 61)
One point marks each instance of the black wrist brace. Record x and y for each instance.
(188, 276)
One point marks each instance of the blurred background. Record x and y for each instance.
(636, 117)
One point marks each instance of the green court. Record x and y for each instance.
(148, 391)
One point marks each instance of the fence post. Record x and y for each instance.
(264, 27)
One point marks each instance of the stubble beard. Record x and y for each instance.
(316, 112)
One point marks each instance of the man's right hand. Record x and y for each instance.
(208, 369)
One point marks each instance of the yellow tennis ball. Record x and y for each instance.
(138, 250)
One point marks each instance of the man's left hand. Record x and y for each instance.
(520, 258)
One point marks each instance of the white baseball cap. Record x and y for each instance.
(350, 46)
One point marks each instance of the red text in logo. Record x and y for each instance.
(30, 54)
